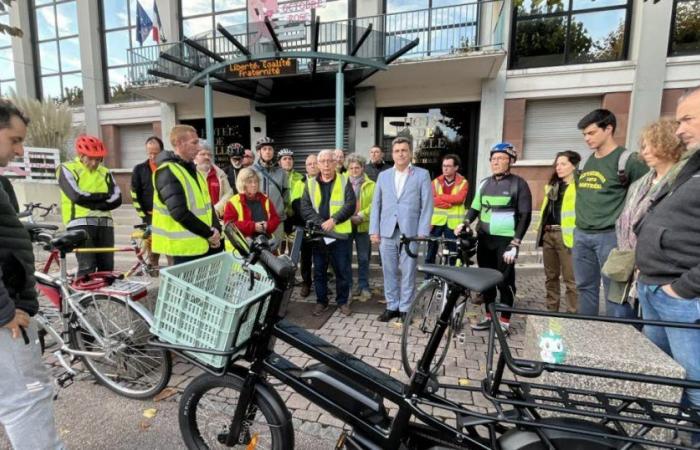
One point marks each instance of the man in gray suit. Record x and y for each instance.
(402, 204)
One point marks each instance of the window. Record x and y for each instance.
(58, 50)
(7, 67)
(119, 23)
(199, 18)
(551, 126)
(442, 26)
(559, 32)
(685, 28)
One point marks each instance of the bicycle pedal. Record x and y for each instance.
(65, 379)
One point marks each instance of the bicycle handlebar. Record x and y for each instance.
(466, 237)
(30, 207)
(313, 230)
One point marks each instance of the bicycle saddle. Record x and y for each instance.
(69, 240)
(474, 279)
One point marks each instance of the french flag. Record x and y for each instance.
(157, 26)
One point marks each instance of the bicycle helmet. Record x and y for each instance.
(263, 141)
(90, 146)
(507, 148)
(235, 150)
(285, 152)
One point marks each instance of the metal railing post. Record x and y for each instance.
(339, 105)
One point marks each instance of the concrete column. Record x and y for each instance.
(20, 17)
(365, 121)
(89, 30)
(169, 18)
(492, 111)
(258, 121)
(168, 119)
(651, 48)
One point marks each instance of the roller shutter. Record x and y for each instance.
(132, 143)
(305, 132)
(551, 126)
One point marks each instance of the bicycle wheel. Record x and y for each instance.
(419, 325)
(209, 403)
(130, 366)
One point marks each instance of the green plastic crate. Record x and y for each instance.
(201, 303)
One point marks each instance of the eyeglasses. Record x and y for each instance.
(500, 158)
(325, 161)
(447, 166)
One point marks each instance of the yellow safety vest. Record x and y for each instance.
(366, 194)
(336, 202)
(238, 206)
(568, 213)
(169, 236)
(452, 216)
(92, 181)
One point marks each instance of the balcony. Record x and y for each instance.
(470, 36)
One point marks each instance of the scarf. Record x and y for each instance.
(639, 196)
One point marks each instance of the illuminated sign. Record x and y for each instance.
(258, 69)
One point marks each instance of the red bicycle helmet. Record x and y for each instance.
(90, 146)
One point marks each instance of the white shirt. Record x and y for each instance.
(400, 178)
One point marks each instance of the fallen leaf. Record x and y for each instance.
(144, 425)
(463, 382)
(164, 394)
(150, 413)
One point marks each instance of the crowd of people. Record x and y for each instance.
(627, 221)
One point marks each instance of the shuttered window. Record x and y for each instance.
(305, 132)
(551, 126)
(133, 143)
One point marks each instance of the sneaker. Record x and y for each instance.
(483, 325)
(319, 309)
(364, 296)
(345, 309)
(381, 301)
(356, 292)
(505, 326)
(305, 290)
(387, 315)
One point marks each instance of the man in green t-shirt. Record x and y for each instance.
(600, 196)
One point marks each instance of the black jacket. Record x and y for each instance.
(170, 192)
(668, 237)
(142, 191)
(373, 170)
(16, 264)
(96, 201)
(232, 174)
(310, 215)
(10, 191)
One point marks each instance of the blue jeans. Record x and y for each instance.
(682, 344)
(363, 253)
(590, 252)
(440, 230)
(26, 393)
(338, 254)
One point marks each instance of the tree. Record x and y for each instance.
(6, 29)
(612, 47)
(686, 33)
(50, 123)
(546, 38)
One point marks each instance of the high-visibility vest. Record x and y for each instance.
(238, 205)
(365, 203)
(568, 213)
(92, 181)
(169, 236)
(452, 216)
(336, 202)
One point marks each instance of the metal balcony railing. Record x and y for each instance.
(444, 31)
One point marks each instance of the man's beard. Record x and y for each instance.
(204, 167)
(237, 164)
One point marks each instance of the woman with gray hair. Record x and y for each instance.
(363, 187)
(250, 210)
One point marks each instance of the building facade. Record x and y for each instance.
(482, 72)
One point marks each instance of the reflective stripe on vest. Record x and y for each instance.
(238, 206)
(337, 200)
(169, 236)
(568, 213)
(91, 181)
(452, 216)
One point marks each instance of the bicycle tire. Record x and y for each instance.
(424, 312)
(269, 406)
(132, 368)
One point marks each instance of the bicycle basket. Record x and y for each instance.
(208, 303)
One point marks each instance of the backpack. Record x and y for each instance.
(621, 164)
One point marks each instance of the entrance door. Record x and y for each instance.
(436, 130)
(305, 131)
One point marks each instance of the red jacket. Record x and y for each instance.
(246, 223)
